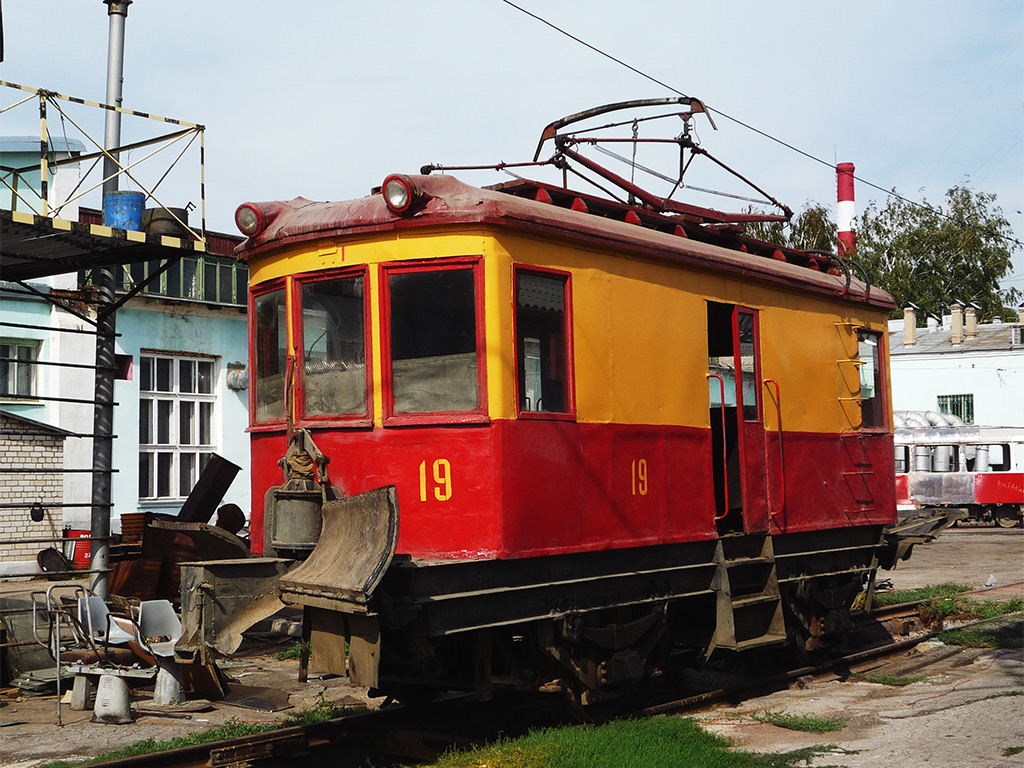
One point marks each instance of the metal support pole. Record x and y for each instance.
(103, 415)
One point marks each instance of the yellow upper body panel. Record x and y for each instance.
(639, 326)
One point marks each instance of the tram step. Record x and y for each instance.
(750, 600)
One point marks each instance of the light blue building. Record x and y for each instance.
(178, 340)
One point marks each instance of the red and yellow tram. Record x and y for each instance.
(601, 430)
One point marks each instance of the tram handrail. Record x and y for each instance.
(782, 457)
(725, 454)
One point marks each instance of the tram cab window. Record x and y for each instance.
(872, 390)
(433, 335)
(542, 343)
(270, 348)
(902, 462)
(333, 347)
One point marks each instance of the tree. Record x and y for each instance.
(936, 256)
(813, 229)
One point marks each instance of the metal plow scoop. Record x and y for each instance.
(357, 542)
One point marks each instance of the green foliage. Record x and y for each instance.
(806, 723)
(1011, 751)
(660, 742)
(232, 729)
(290, 653)
(947, 590)
(1009, 635)
(935, 256)
(894, 680)
(813, 229)
(963, 607)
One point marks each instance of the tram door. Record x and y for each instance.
(738, 460)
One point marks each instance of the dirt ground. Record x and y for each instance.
(968, 710)
(965, 714)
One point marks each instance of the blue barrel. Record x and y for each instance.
(123, 210)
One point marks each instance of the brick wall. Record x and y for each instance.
(23, 444)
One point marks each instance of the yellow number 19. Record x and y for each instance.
(441, 472)
(639, 469)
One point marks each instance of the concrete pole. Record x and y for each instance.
(103, 414)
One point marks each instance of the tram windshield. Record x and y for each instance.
(432, 326)
(270, 348)
(333, 346)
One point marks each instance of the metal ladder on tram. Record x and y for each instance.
(748, 602)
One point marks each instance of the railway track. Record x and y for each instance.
(395, 735)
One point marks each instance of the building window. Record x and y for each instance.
(433, 341)
(542, 343)
(958, 405)
(334, 347)
(872, 385)
(18, 368)
(176, 419)
(207, 278)
(270, 351)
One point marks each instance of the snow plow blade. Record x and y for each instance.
(356, 545)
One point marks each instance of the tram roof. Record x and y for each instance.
(445, 201)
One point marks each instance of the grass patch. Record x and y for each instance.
(1009, 635)
(895, 680)
(806, 723)
(659, 742)
(948, 590)
(1011, 751)
(291, 652)
(232, 729)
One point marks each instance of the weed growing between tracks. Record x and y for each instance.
(232, 729)
(806, 723)
(1007, 635)
(947, 591)
(658, 742)
(895, 680)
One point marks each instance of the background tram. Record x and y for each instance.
(979, 470)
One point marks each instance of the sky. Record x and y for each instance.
(322, 99)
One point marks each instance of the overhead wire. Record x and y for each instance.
(787, 145)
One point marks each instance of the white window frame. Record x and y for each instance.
(177, 427)
(14, 367)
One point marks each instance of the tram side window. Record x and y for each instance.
(902, 462)
(872, 394)
(433, 328)
(945, 458)
(333, 346)
(270, 348)
(541, 343)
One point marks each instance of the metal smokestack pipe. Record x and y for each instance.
(103, 412)
(845, 208)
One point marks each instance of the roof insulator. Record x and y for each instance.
(779, 255)
(632, 218)
(579, 205)
(679, 231)
(542, 196)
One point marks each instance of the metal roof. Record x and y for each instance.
(992, 337)
(37, 246)
(444, 201)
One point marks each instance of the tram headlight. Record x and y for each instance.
(399, 193)
(249, 220)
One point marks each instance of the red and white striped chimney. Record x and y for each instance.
(845, 208)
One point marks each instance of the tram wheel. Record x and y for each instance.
(1006, 516)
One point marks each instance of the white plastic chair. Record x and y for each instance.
(98, 623)
(158, 619)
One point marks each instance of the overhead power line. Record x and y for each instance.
(739, 122)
